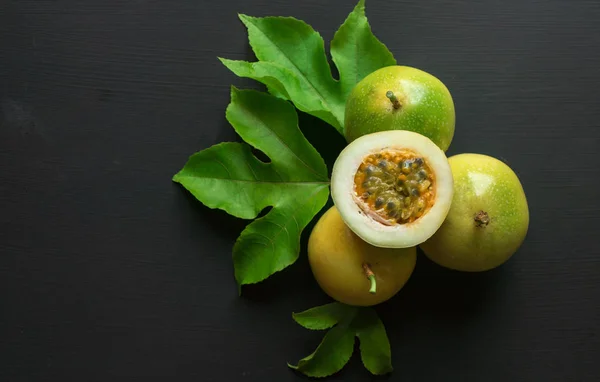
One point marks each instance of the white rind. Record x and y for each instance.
(371, 231)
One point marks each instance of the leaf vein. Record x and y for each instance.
(283, 143)
(304, 76)
(225, 167)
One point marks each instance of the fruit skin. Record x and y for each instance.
(482, 183)
(426, 105)
(336, 256)
(371, 231)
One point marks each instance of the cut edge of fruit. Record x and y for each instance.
(363, 225)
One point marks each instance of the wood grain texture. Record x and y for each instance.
(109, 272)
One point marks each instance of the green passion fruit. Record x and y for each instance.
(401, 98)
(488, 220)
(352, 271)
(393, 188)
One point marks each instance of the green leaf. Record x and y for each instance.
(356, 52)
(337, 345)
(332, 354)
(375, 348)
(293, 62)
(323, 317)
(293, 53)
(291, 86)
(228, 176)
(264, 72)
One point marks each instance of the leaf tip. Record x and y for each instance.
(295, 317)
(234, 92)
(386, 370)
(245, 18)
(359, 9)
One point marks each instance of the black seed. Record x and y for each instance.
(390, 206)
(382, 163)
(419, 161)
(414, 192)
(422, 174)
(379, 202)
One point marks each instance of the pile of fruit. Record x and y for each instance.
(393, 187)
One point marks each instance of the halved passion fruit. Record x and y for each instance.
(393, 188)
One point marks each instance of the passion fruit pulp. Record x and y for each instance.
(488, 220)
(393, 188)
(352, 271)
(401, 98)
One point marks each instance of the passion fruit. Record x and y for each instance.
(393, 188)
(352, 271)
(401, 98)
(488, 220)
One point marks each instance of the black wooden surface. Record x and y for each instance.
(109, 272)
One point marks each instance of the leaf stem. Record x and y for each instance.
(371, 276)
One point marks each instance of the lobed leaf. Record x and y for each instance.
(229, 177)
(336, 347)
(356, 52)
(293, 62)
(287, 85)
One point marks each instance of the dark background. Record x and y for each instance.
(110, 272)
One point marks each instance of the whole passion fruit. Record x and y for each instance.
(488, 220)
(352, 271)
(392, 188)
(401, 98)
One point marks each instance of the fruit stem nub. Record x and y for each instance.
(371, 276)
(390, 94)
(482, 219)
